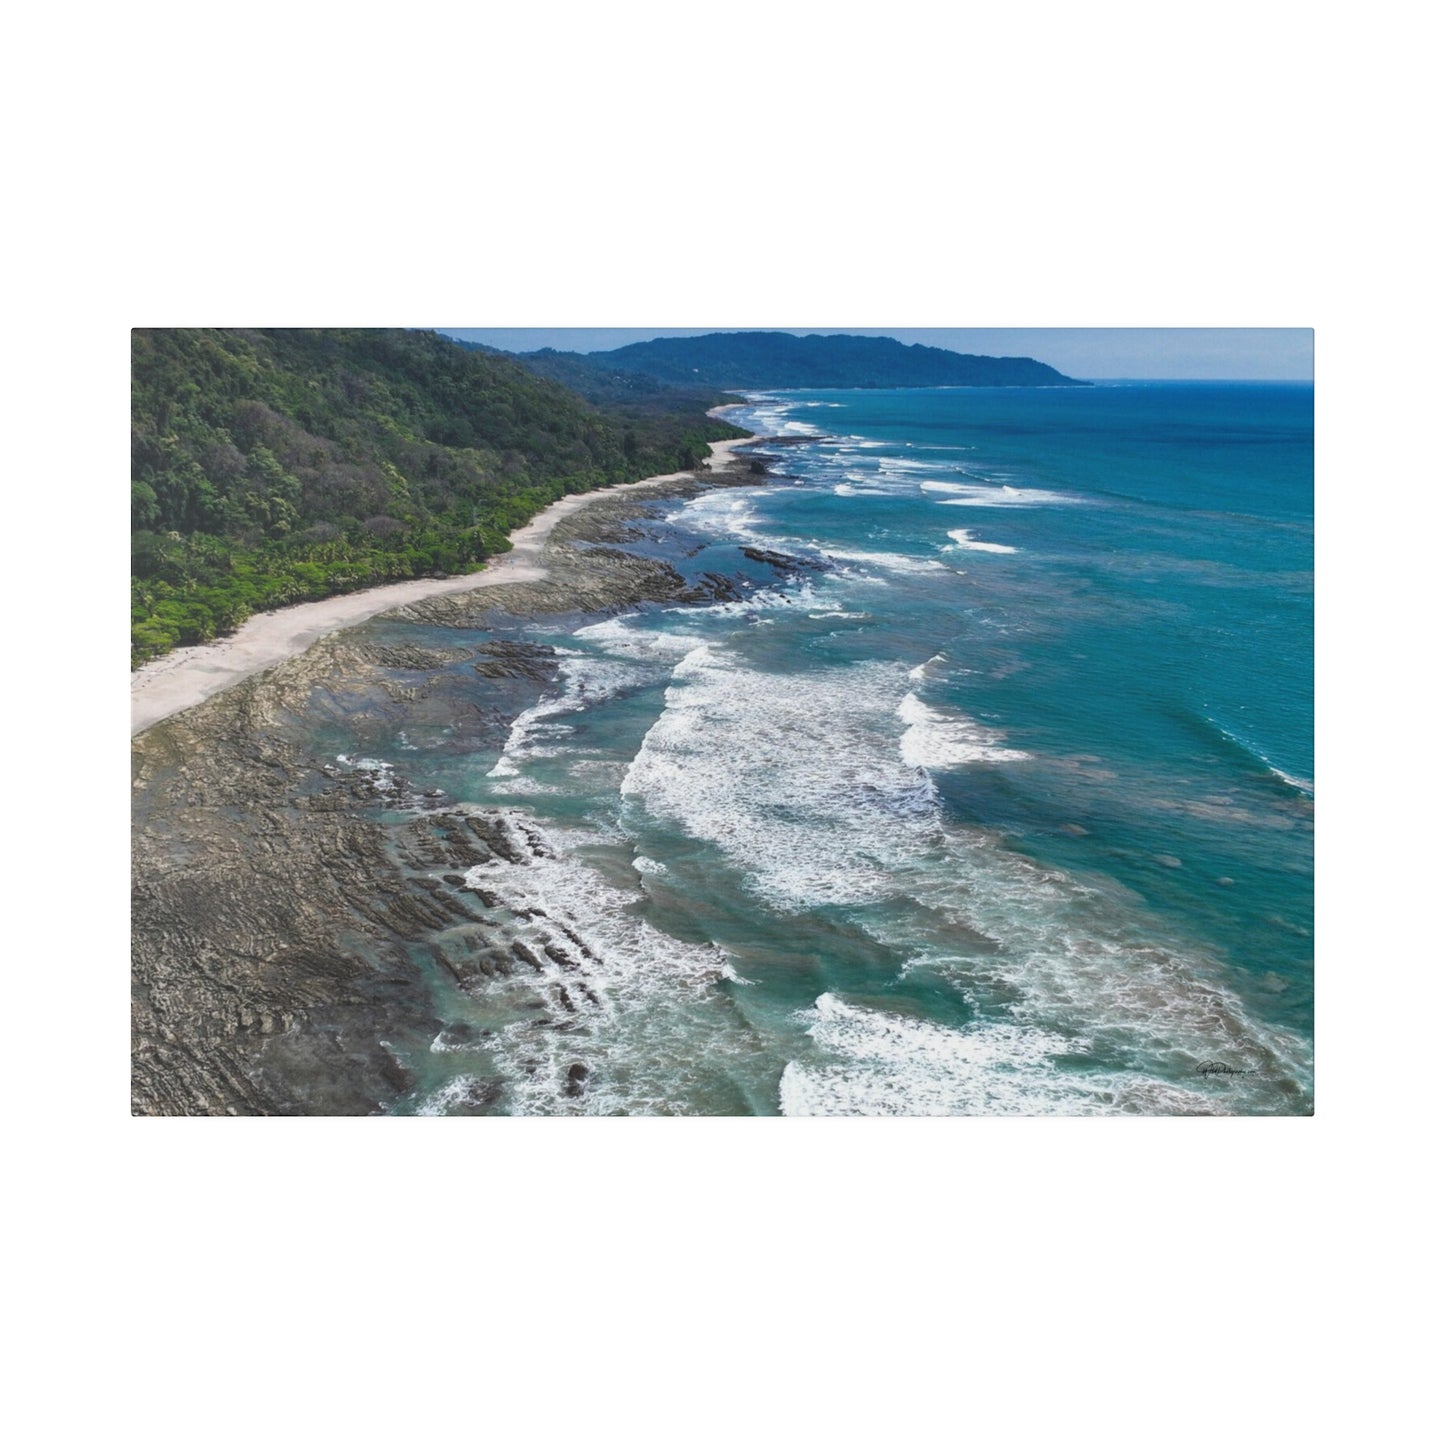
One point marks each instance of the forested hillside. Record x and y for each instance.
(271, 467)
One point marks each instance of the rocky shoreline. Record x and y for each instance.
(289, 950)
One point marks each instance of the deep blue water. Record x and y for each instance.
(1007, 806)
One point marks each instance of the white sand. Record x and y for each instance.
(189, 675)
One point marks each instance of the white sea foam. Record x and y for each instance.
(618, 996)
(934, 740)
(620, 656)
(962, 537)
(910, 466)
(565, 893)
(773, 599)
(992, 496)
(850, 489)
(380, 774)
(620, 637)
(782, 772)
(878, 1063)
(522, 741)
(442, 1101)
(855, 443)
(802, 783)
(881, 1063)
(727, 513)
(1080, 958)
(1303, 784)
(890, 561)
(771, 416)
(919, 673)
(582, 681)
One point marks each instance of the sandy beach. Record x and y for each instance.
(190, 675)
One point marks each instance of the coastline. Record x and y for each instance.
(335, 913)
(287, 942)
(189, 675)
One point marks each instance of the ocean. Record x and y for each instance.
(992, 793)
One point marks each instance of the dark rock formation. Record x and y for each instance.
(516, 659)
(783, 562)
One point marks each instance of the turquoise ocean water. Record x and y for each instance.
(1002, 802)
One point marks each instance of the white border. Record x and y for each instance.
(1104, 165)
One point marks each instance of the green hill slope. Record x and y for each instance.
(271, 467)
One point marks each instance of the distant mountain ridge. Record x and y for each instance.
(761, 360)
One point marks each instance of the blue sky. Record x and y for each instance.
(1090, 353)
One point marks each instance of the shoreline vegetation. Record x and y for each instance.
(187, 676)
(270, 467)
(288, 945)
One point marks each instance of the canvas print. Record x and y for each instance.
(688, 722)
